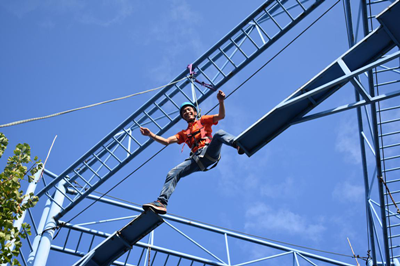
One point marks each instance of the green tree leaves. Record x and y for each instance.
(3, 144)
(13, 202)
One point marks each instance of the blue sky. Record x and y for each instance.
(305, 187)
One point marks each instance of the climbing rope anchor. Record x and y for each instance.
(192, 79)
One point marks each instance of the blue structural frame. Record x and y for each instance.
(226, 58)
(359, 59)
(122, 240)
(174, 222)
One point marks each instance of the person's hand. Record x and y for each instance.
(145, 131)
(220, 96)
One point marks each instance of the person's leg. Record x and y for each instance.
(219, 138)
(186, 168)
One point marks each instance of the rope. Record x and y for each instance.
(87, 106)
(390, 194)
(194, 96)
(352, 251)
(47, 157)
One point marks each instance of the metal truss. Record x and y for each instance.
(379, 127)
(376, 85)
(80, 239)
(151, 253)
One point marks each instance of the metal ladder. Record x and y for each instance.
(388, 124)
(390, 151)
(226, 58)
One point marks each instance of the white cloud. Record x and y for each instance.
(347, 141)
(346, 192)
(287, 188)
(344, 230)
(237, 175)
(251, 178)
(262, 217)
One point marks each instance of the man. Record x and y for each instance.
(205, 149)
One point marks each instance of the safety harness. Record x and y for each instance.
(194, 142)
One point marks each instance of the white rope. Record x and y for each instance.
(194, 96)
(87, 106)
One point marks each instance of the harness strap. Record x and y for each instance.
(202, 83)
(204, 135)
(200, 164)
(212, 159)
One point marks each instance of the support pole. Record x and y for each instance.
(31, 189)
(46, 237)
(36, 241)
(376, 147)
(351, 40)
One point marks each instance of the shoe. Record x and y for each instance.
(156, 206)
(240, 150)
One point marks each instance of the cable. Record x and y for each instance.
(87, 106)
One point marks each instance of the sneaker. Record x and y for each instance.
(156, 206)
(240, 150)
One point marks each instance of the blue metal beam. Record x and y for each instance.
(121, 241)
(358, 59)
(347, 107)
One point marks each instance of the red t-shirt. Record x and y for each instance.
(206, 121)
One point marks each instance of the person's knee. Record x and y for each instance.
(220, 133)
(171, 174)
(175, 173)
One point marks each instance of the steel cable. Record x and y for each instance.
(87, 106)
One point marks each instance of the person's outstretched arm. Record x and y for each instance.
(221, 100)
(159, 139)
